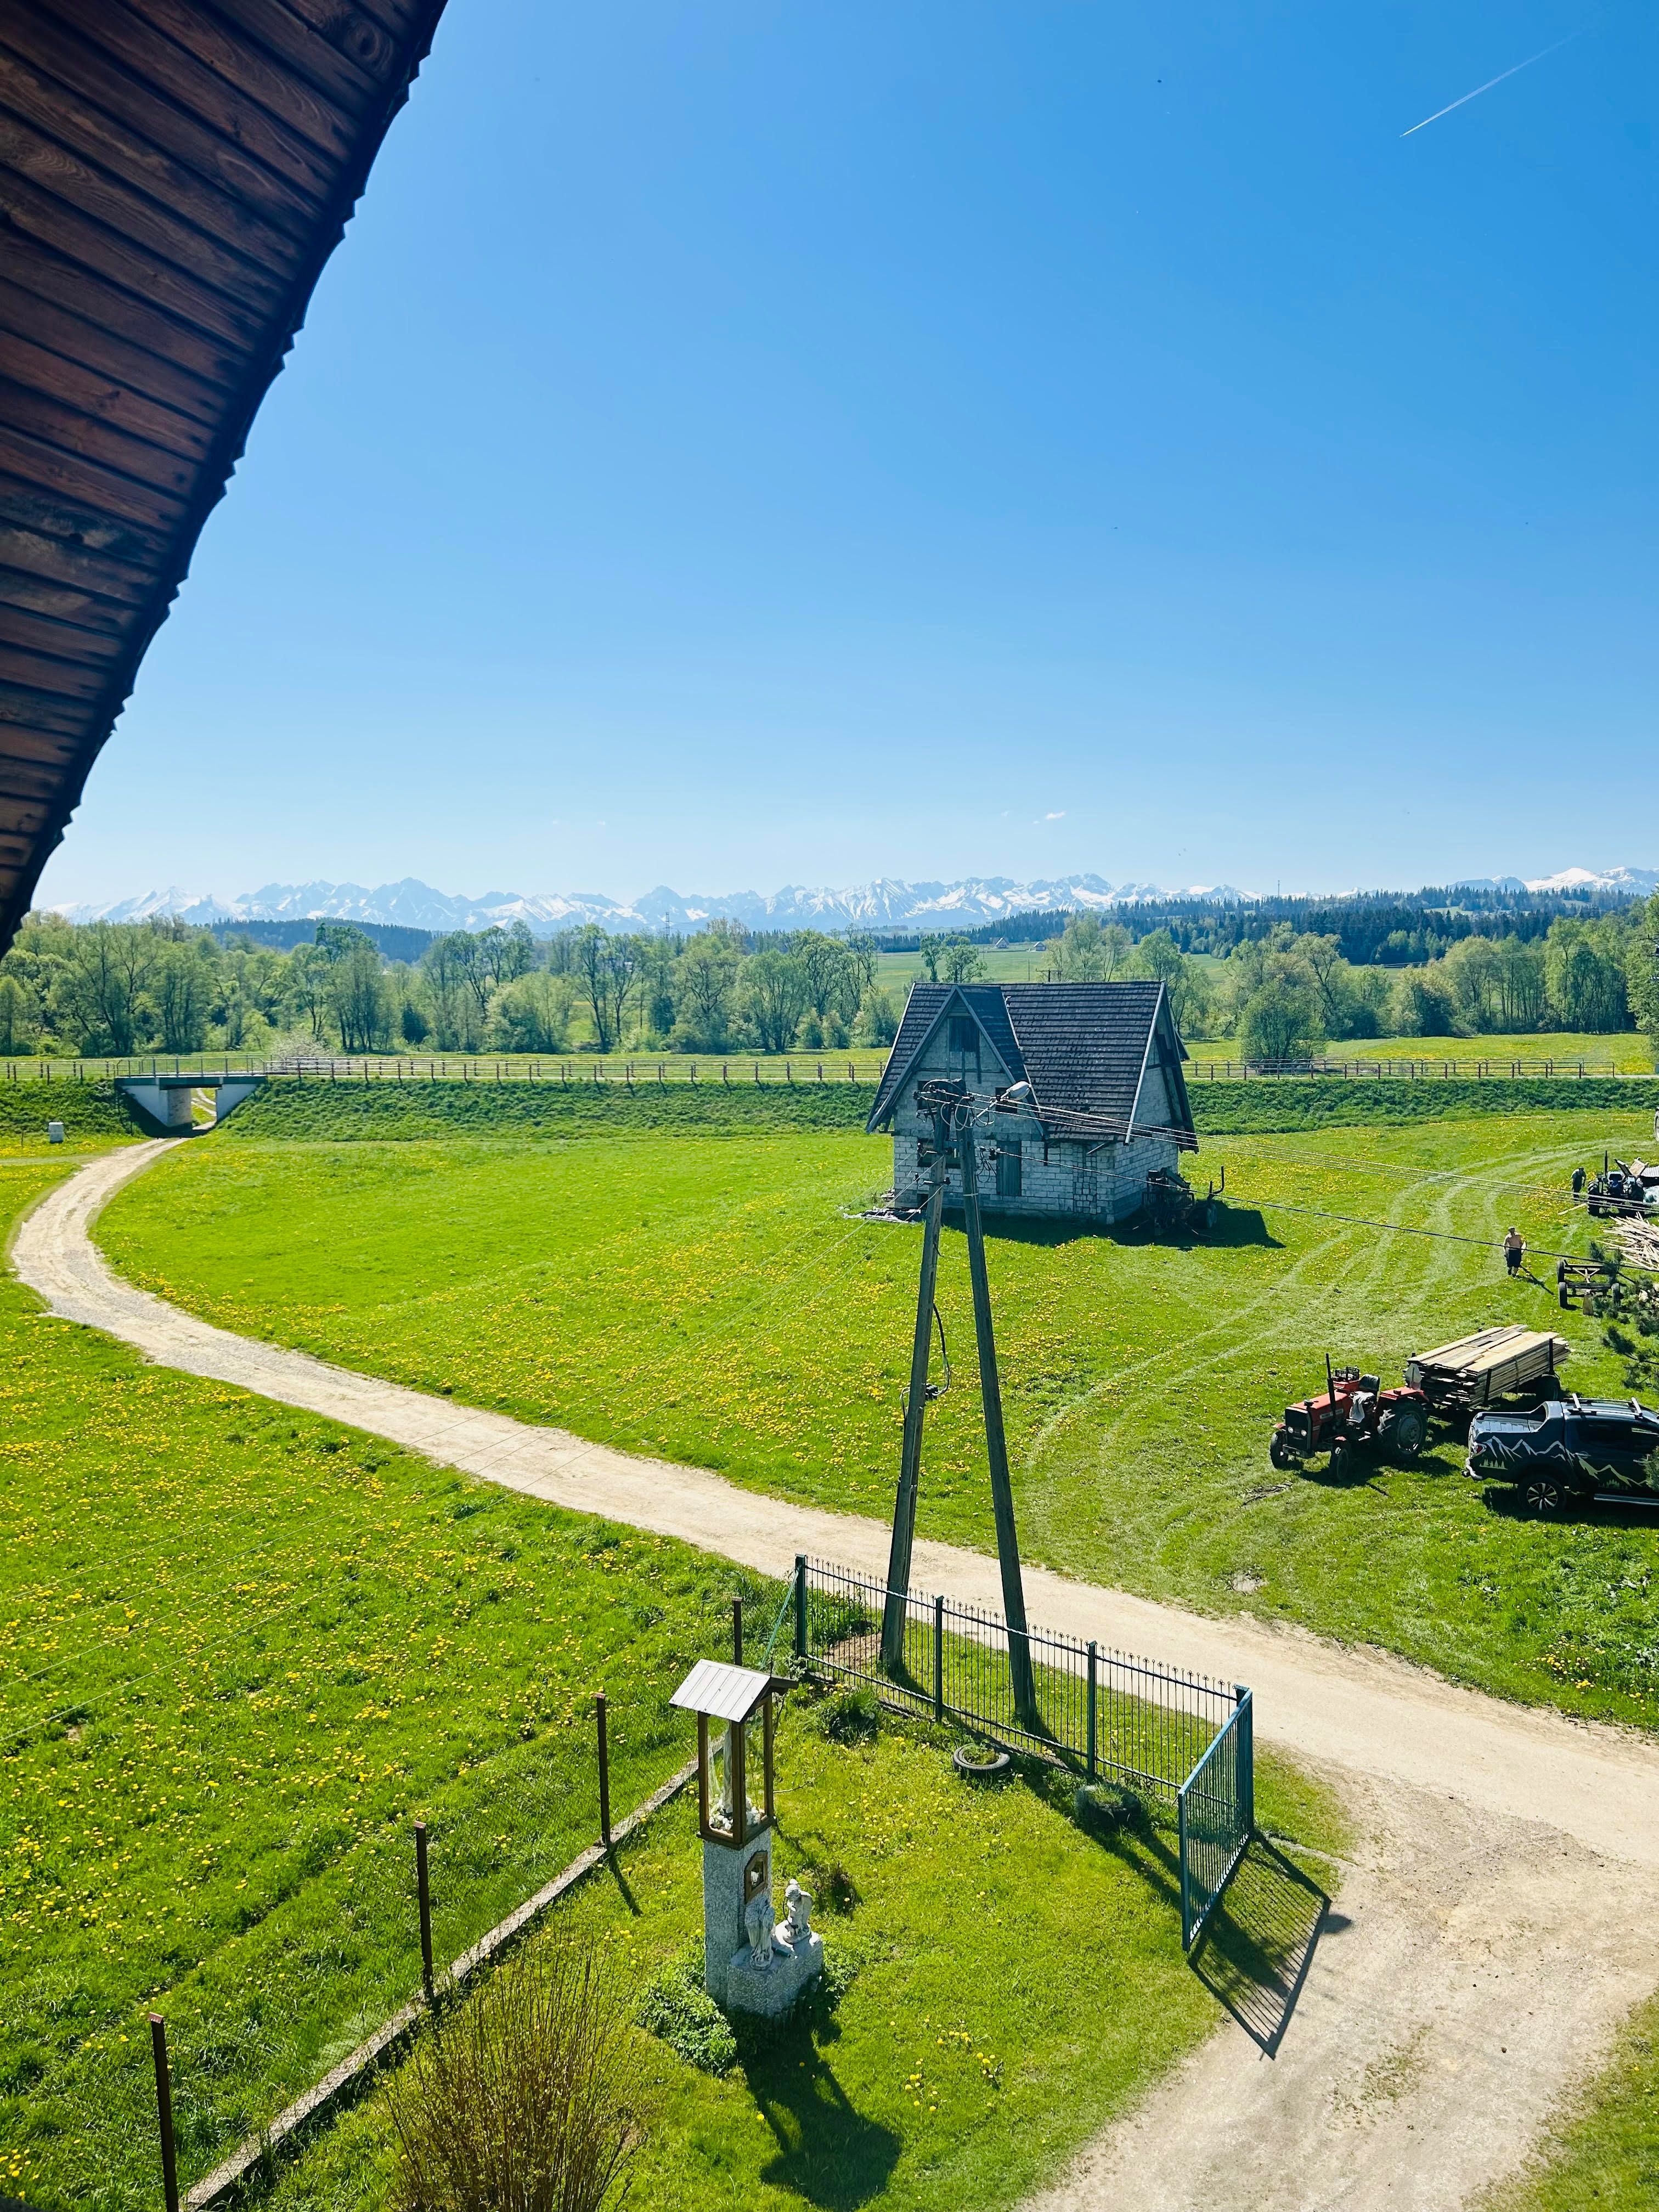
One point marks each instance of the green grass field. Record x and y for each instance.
(996, 2015)
(241, 1649)
(707, 1298)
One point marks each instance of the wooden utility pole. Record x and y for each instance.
(915, 1406)
(996, 1441)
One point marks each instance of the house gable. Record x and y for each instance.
(1107, 1050)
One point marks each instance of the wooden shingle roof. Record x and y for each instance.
(174, 176)
(1082, 1047)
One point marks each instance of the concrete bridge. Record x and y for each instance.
(165, 1102)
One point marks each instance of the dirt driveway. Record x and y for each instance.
(1490, 1930)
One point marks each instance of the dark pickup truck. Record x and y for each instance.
(1605, 1448)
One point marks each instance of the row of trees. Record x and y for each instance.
(162, 987)
(1292, 994)
(110, 988)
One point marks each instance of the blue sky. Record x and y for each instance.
(741, 444)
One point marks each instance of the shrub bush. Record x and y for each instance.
(1106, 1808)
(677, 2009)
(851, 1715)
(526, 2099)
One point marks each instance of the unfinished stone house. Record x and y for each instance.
(1107, 1051)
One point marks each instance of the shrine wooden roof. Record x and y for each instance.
(174, 176)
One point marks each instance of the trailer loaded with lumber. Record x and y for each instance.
(1495, 1363)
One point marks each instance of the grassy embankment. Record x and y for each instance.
(242, 1648)
(706, 1299)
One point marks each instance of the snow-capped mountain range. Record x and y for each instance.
(887, 904)
(882, 905)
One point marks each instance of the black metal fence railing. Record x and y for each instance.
(1217, 1816)
(1183, 1737)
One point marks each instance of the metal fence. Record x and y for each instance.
(1184, 1738)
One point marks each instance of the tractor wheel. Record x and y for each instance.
(1541, 1496)
(1280, 1452)
(1407, 1433)
(1208, 1215)
(1341, 1459)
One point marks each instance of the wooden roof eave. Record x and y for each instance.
(151, 302)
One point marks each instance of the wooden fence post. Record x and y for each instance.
(158, 2044)
(424, 1889)
(604, 1770)
(736, 1631)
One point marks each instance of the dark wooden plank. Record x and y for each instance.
(343, 52)
(200, 93)
(174, 251)
(22, 817)
(327, 123)
(69, 431)
(66, 476)
(108, 360)
(28, 779)
(122, 544)
(29, 593)
(48, 276)
(41, 219)
(50, 563)
(38, 711)
(20, 626)
(217, 209)
(63, 679)
(19, 743)
(104, 398)
(35, 38)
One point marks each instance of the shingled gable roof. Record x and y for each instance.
(174, 176)
(1083, 1047)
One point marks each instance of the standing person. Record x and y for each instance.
(1514, 1245)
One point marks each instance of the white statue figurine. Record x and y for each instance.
(758, 1921)
(797, 1905)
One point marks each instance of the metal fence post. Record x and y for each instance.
(1186, 1875)
(736, 1631)
(938, 1658)
(605, 1771)
(800, 1605)
(158, 2044)
(1245, 1755)
(1094, 1694)
(424, 1891)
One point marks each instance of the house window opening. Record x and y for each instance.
(964, 1040)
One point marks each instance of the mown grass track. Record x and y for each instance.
(705, 1298)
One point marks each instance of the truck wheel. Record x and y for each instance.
(1541, 1496)
(1278, 1451)
(1408, 1434)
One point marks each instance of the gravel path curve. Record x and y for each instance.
(1492, 1927)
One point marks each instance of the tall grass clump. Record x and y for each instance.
(529, 2097)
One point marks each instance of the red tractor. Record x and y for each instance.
(1356, 1414)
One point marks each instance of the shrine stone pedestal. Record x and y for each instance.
(731, 1878)
(772, 1989)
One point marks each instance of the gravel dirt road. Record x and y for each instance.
(1490, 1929)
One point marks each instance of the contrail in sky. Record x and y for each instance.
(1488, 85)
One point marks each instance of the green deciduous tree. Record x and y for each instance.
(531, 1013)
(1281, 1018)
(775, 992)
(1089, 951)
(20, 1026)
(705, 988)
